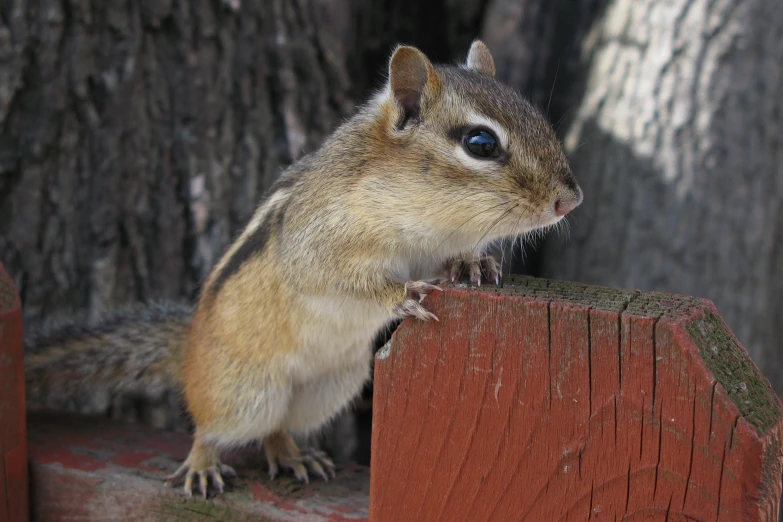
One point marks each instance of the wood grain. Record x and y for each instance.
(551, 401)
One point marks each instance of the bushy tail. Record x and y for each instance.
(126, 363)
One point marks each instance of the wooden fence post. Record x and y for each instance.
(551, 401)
(13, 439)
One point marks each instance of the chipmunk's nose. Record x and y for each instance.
(563, 207)
(568, 195)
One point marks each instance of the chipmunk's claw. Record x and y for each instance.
(412, 308)
(300, 472)
(282, 452)
(202, 483)
(312, 461)
(318, 463)
(226, 470)
(415, 292)
(486, 266)
(211, 474)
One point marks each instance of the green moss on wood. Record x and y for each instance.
(596, 297)
(733, 369)
(657, 305)
(181, 508)
(631, 302)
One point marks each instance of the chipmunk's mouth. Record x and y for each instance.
(545, 222)
(558, 211)
(515, 219)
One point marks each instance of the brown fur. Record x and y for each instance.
(126, 362)
(281, 338)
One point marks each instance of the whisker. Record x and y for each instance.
(576, 148)
(498, 220)
(470, 219)
(552, 90)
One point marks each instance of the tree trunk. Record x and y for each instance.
(678, 145)
(536, 46)
(137, 137)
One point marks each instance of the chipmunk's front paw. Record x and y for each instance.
(282, 452)
(486, 266)
(415, 292)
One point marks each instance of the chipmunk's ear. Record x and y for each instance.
(480, 59)
(410, 74)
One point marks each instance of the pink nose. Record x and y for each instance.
(564, 207)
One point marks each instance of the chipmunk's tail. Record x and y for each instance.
(126, 360)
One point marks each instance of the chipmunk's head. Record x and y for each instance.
(472, 148)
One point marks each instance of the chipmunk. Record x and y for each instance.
(438, 165)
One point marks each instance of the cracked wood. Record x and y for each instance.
(546, 400)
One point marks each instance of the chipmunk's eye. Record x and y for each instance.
(481, 143)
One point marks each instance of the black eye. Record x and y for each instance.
(481, 143)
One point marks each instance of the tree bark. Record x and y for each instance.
(137, 137)
(678, 145)
(442, 29)
(536, 46)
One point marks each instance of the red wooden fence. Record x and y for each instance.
(550, 401)
(13, 441)
(541, 401)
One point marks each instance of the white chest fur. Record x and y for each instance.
(339, 331)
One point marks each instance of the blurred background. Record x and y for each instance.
(137, 137)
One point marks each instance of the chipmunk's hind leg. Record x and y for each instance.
(281, 451)
(311, 407)
(203, 464)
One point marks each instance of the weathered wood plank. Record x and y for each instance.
(555, 401)
(13, 440)
(95, 469)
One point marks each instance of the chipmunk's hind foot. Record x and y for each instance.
(282, 452)
(204, 467)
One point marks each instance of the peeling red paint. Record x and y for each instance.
(342, 509)
(78, 462)
(336, 517)
(135, 459)
(262, 493)
(290, 505)
(177, 445)
(48, 454)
